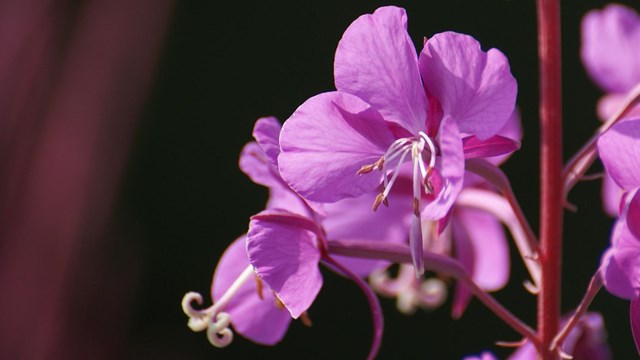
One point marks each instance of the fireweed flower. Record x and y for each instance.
(271, 275)
(586, 341)
(392, 107)
(610, 45)
(476, 238)
(620, 264)
(286, 242)
(241, 300)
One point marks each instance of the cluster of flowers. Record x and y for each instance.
(422, 135)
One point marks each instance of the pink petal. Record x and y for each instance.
(326, 141)
(449, 169)
(619, 148)
(266, 131)
(465, 253)
(259, 320)
(486, 236)
(634, 314)
(474, 87)
(283, 249)
(494, 146)
(620, 264)
(255, 163)
(377, 61)
(633, 215)
(611, 196)
(482, 248)
(610, 39)
(353, 219)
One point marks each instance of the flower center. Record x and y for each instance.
(419, 147)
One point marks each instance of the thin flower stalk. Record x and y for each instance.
(399, 253)
(594, 287)
(581, 162)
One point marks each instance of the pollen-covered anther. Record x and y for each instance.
(365, 169)
(277, 302)
(416, 207)
(306, 320)
(380, 199)
(428, 186)
(259, 286)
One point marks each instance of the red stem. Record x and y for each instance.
(551, 173)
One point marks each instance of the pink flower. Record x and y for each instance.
(610, 45)
(620, 265)
(586, 341)
(390, 107)
(286, 241)
(282, 251)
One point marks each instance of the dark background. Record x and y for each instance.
(184, 199)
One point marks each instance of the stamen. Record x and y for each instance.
(306, 320)
(416, 207)
(278, 303)
(389, 184)
(258, 286)
(365, 169)
(379, 200)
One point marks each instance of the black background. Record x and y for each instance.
(184, 198)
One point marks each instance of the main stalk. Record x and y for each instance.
(551, 180)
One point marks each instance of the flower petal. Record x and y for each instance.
(449, 171)
(326, 141)
(255, 163)
(482, 248)
(353, 219)
(266, 131)
(259, 320)
(619, 148)
(283, 249)
(620, 264)
(633, 215)
(610, 39)
(494, 146)
(377, 61)
(487, 237)
(611, 196)
(474, 87)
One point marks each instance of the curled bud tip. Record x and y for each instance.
(187, 302)
(197, 324)
(433, 293)
(218, 333)
(406, 302)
